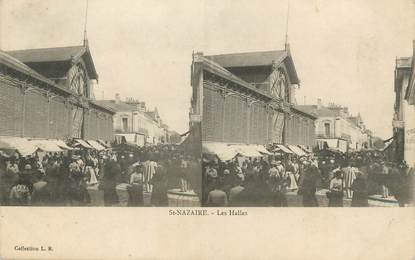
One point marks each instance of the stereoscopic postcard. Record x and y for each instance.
(207, 129)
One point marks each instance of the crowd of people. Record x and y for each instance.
(266, 181)
(69, 178)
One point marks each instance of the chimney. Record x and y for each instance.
(319, 103)
(117, 98)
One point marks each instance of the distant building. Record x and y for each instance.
(136, 123)
(404, 116)
(337, 128)
(248, 98)
(47, 93)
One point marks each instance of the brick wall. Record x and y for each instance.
(36, 115)
(11, 102)
(299, 130)
(231, 119)
(234, 118)
(59, 120)
(33, 114)
(212, 115)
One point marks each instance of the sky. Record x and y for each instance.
(344, 51)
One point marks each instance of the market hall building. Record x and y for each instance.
(248, 98)
(47, 93)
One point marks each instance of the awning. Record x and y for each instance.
(46, 145)
(227, 152)
(22, 145)
(82, 143)
(62, 145)
(283, 148)
(247, 150)
(297, 150)
(96, 145)
(262, 150)
(304, 148)
(222, 150)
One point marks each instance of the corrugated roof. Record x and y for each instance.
(17, 65)
(217, 69)
(255, 59)
(38, 59)
(249, 59)
(47, 54)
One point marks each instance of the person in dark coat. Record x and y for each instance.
(308, 186)
(159, 182)
(111, 171)
(403, 184)
(360, 191)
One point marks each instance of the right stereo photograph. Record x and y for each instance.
(263, 146)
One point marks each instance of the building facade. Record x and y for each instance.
(247, 98)
(339, 129)
(132, 118)
(404, 116)
(46, 93)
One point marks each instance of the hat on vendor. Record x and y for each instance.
(28, 167)
(76, 157)
(273, 162)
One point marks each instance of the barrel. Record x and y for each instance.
(96, 195)
(182, 199)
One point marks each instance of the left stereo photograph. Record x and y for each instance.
(71, 138)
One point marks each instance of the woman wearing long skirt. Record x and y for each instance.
(135, 189)
(335, 193)
(290, 171)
